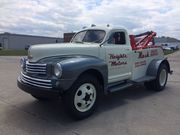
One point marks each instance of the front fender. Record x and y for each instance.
(72, 68)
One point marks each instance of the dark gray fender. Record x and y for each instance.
(72, 68)
(154, 66)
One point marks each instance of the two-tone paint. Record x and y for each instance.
(110, 63)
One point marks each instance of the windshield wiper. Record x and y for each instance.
(97, 41)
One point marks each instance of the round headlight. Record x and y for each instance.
(58, 70)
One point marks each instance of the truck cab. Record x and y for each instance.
(98, 60)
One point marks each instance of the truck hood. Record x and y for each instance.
(37, 52)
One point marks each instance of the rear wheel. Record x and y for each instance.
(81, 100)
(160, 82)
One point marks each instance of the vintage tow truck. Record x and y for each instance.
(98, 60)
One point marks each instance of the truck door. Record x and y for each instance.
(118, 56)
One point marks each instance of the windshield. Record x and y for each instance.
(92, 36)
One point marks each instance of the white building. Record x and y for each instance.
(20, 42)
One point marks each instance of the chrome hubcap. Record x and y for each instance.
(85, 97)
(162, 77)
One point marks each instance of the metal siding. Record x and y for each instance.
(19, 42)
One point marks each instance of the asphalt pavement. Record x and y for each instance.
(134, 111)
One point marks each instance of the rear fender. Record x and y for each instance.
(154, 66)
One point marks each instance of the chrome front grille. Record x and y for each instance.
(42, 83)
(36, 68)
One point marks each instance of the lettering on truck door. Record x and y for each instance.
(118, 55)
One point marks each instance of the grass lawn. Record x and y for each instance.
(166, 52)
(13, 52)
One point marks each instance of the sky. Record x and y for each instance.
(55, 17)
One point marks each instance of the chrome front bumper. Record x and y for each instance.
(38, 88)
(40, 83)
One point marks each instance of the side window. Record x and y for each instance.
(117, 38)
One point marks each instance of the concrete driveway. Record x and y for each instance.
(134, 111)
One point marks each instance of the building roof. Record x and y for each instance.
(166, 40)
(14, 34)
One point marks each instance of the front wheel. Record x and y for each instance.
(160, 82)
(81, 100)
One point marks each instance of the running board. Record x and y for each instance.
(127, 83)
(119, 86)
(144, 79)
